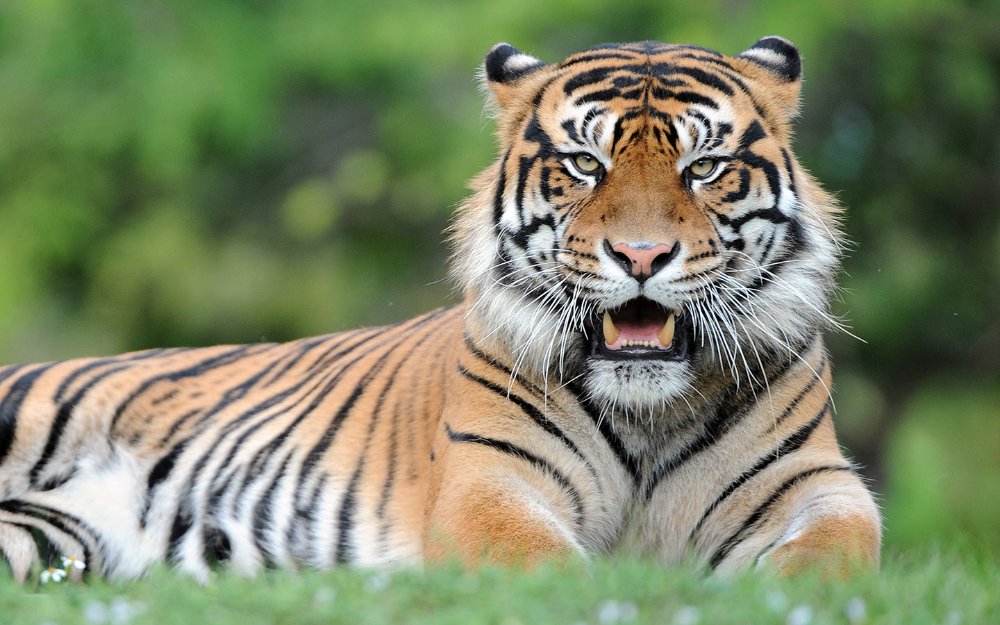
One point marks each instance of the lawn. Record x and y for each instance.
(939, 586)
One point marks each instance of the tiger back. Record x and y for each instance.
(637, 366)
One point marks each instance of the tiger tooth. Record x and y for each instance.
(666, 333)
(611, 333)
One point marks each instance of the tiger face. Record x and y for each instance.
(646, 225)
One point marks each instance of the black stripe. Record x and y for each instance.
(628, 462)
(499, 366)
(6, 372)
(346, 509)
(63, 414)
(311, 461)
(345, 517)
(208, 364)
(262, 513)
(391, 472)
(68, 379)
(216, 490)
(62, 521)
(789, 170)
(731, 409)
(772, 238)
(813, 381)
(498, 194)
(753, 133)
(163, 470)
(529, 409)
(536, 415)
(318, 392)
(182, 516)
(616, 137)
(743, 191)
(771, 214)
(10, 407)
(297, 536)
(690, 97)
(160, 471)
(238, 392)
(179, 528)
(79, 371)
(707, 79)
(596, 56)
(741, 534)
(788, 446)
(601, 95)
(296, 357)
(540, 464)
(589, 77)
(327, 356)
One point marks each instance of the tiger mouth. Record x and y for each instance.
(641, 330)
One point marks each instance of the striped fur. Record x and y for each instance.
(489, 430)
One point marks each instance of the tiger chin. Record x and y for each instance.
(637, 367)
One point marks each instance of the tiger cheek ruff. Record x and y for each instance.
(637, 366)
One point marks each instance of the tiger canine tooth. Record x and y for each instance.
(666, 333)
(611, 333)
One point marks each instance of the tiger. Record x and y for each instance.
(636, 368)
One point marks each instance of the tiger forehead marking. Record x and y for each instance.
(646, 112)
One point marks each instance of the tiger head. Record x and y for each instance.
(646, 223)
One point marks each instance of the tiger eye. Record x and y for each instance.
(586, 163)
(702, 167)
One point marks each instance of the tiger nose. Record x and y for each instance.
(642, 259)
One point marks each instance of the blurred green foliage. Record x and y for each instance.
(234, 170)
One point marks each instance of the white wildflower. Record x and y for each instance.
(856, 611)
(72, 562)
(123, 611)
(95, 612)
(627, 611)
(52, 574)
(800, 615)
(324, 596)
(776, 601)
(607, 613)
(377, 582)
(612, 611)
(687, 615)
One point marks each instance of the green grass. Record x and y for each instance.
(935, 586)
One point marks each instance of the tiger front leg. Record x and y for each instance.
(837, 546)
(497, 502)
(831, 526)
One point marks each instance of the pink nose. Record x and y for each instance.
(642, 260)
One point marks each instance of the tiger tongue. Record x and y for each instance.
(620, 333)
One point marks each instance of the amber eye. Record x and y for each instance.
(586, 164)
(703, 167)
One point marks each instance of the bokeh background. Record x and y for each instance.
(190, 172)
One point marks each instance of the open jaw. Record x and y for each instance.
(641, 329)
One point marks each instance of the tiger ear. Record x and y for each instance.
(504, 71)
(775, 61)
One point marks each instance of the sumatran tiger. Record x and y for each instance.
(636, 367)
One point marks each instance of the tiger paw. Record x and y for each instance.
(836, 547)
